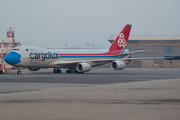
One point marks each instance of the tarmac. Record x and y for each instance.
(101, 94)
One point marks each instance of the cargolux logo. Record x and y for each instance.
(43, 56)
(121, 41)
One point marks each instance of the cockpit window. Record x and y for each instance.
(15, 49)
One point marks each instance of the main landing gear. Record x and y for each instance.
(69, 71)
(74, 71)
(56, 70)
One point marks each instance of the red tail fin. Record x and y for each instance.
(122, 39)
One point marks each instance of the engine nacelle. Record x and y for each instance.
(118, 65)
(33, 69)
(83, 67)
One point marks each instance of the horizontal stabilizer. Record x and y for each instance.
(172, 57)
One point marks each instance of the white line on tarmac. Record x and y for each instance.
(21, 77)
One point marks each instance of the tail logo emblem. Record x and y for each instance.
(121, 41)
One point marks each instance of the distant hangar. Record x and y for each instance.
(151, 39)
(160, 45)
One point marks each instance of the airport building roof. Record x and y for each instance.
(150, 37)
(163, 40)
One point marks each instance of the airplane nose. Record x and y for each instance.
(12, 58)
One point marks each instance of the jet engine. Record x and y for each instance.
(33, 69)
(118, 65)
(83, 67)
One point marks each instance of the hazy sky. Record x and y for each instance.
(53, 23)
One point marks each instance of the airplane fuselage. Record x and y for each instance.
(42, 58)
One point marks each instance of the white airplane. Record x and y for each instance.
(75, 61)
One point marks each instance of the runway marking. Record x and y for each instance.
(19, 91)
(21, 77)
(112, 94)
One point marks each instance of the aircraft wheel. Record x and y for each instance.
(19, 72)
(68, 71)
(59, 71)
(75, 71)
(56, 70)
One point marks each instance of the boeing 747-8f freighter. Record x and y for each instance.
(75, 61)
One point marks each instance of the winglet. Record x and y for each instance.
(121, 41)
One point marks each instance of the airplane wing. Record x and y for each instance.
(97, 62)
(145, 58)
(94, 62)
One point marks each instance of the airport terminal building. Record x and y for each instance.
(160, 45)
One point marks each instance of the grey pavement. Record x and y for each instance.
(157, 97)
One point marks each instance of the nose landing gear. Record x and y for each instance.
(19, 72)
